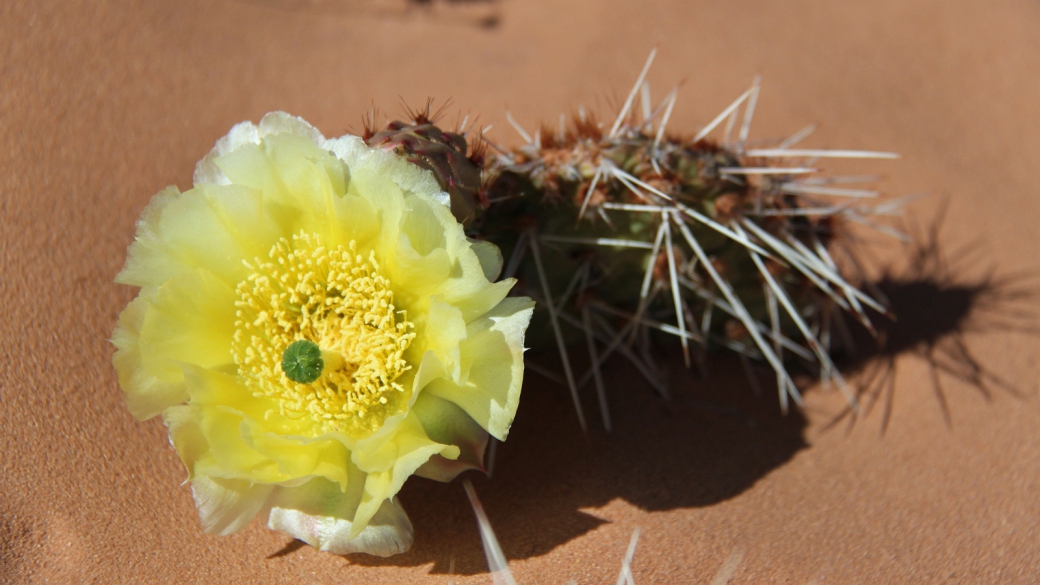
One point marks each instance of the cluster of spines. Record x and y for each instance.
(630, 230)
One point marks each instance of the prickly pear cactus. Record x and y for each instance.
(630, 233)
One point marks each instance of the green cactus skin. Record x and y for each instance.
(548, 197)
(763, 282)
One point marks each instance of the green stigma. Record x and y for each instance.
(302, 361)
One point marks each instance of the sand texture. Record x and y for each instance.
(102, 104)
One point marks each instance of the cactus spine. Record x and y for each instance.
(627, 233)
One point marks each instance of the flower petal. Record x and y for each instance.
(187, 320)
(493, 367)
(360, 158)
(466, 286)
(297, 457)
(446, 422)
(421, 224)
(297, 180)
(186, 436)
(490, 258)
(392, 463)
(283, 123)
(399, 454)
(220, 404)
(146, 395)
(227, 505)
(207, 172)
(322, 515)
(443, 330)
(211, 227)
(414, 277)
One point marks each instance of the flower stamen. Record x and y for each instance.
(316, 328)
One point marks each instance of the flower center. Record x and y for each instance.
(316, 329)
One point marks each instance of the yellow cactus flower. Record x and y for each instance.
(314, 327)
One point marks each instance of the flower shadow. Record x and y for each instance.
(289, 548)
(710, 442)
(939, 304)
(714, 438)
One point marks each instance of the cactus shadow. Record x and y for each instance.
(939, 304)
(714, 438)
(711, 441)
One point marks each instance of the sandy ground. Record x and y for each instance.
(103, 104)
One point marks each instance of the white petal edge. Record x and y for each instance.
(357, 155)
(388, 533)
(227, 505)
(207, 172)
(348, 148)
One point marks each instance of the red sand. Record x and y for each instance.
(103, 106)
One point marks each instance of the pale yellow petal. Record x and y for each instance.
(227, 505)
(493, 367)
(210, 389)
(245, 133)
(445, 422)
(474, 301)
(186, 436)
(441, 329)
(232, 457)
(283, 172)
(298, 457)
(148, 259)
(146, 395)
(361, 159)
(210, 227)
(393, 464)
(465, 285)
(206, 171)
(190, 319)
(218, 401)
(490, 258)
(354, 220)
(430, 368)
(423, 225)
(283, 123)
(415, 278)
(406, 446)
(251, 440)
